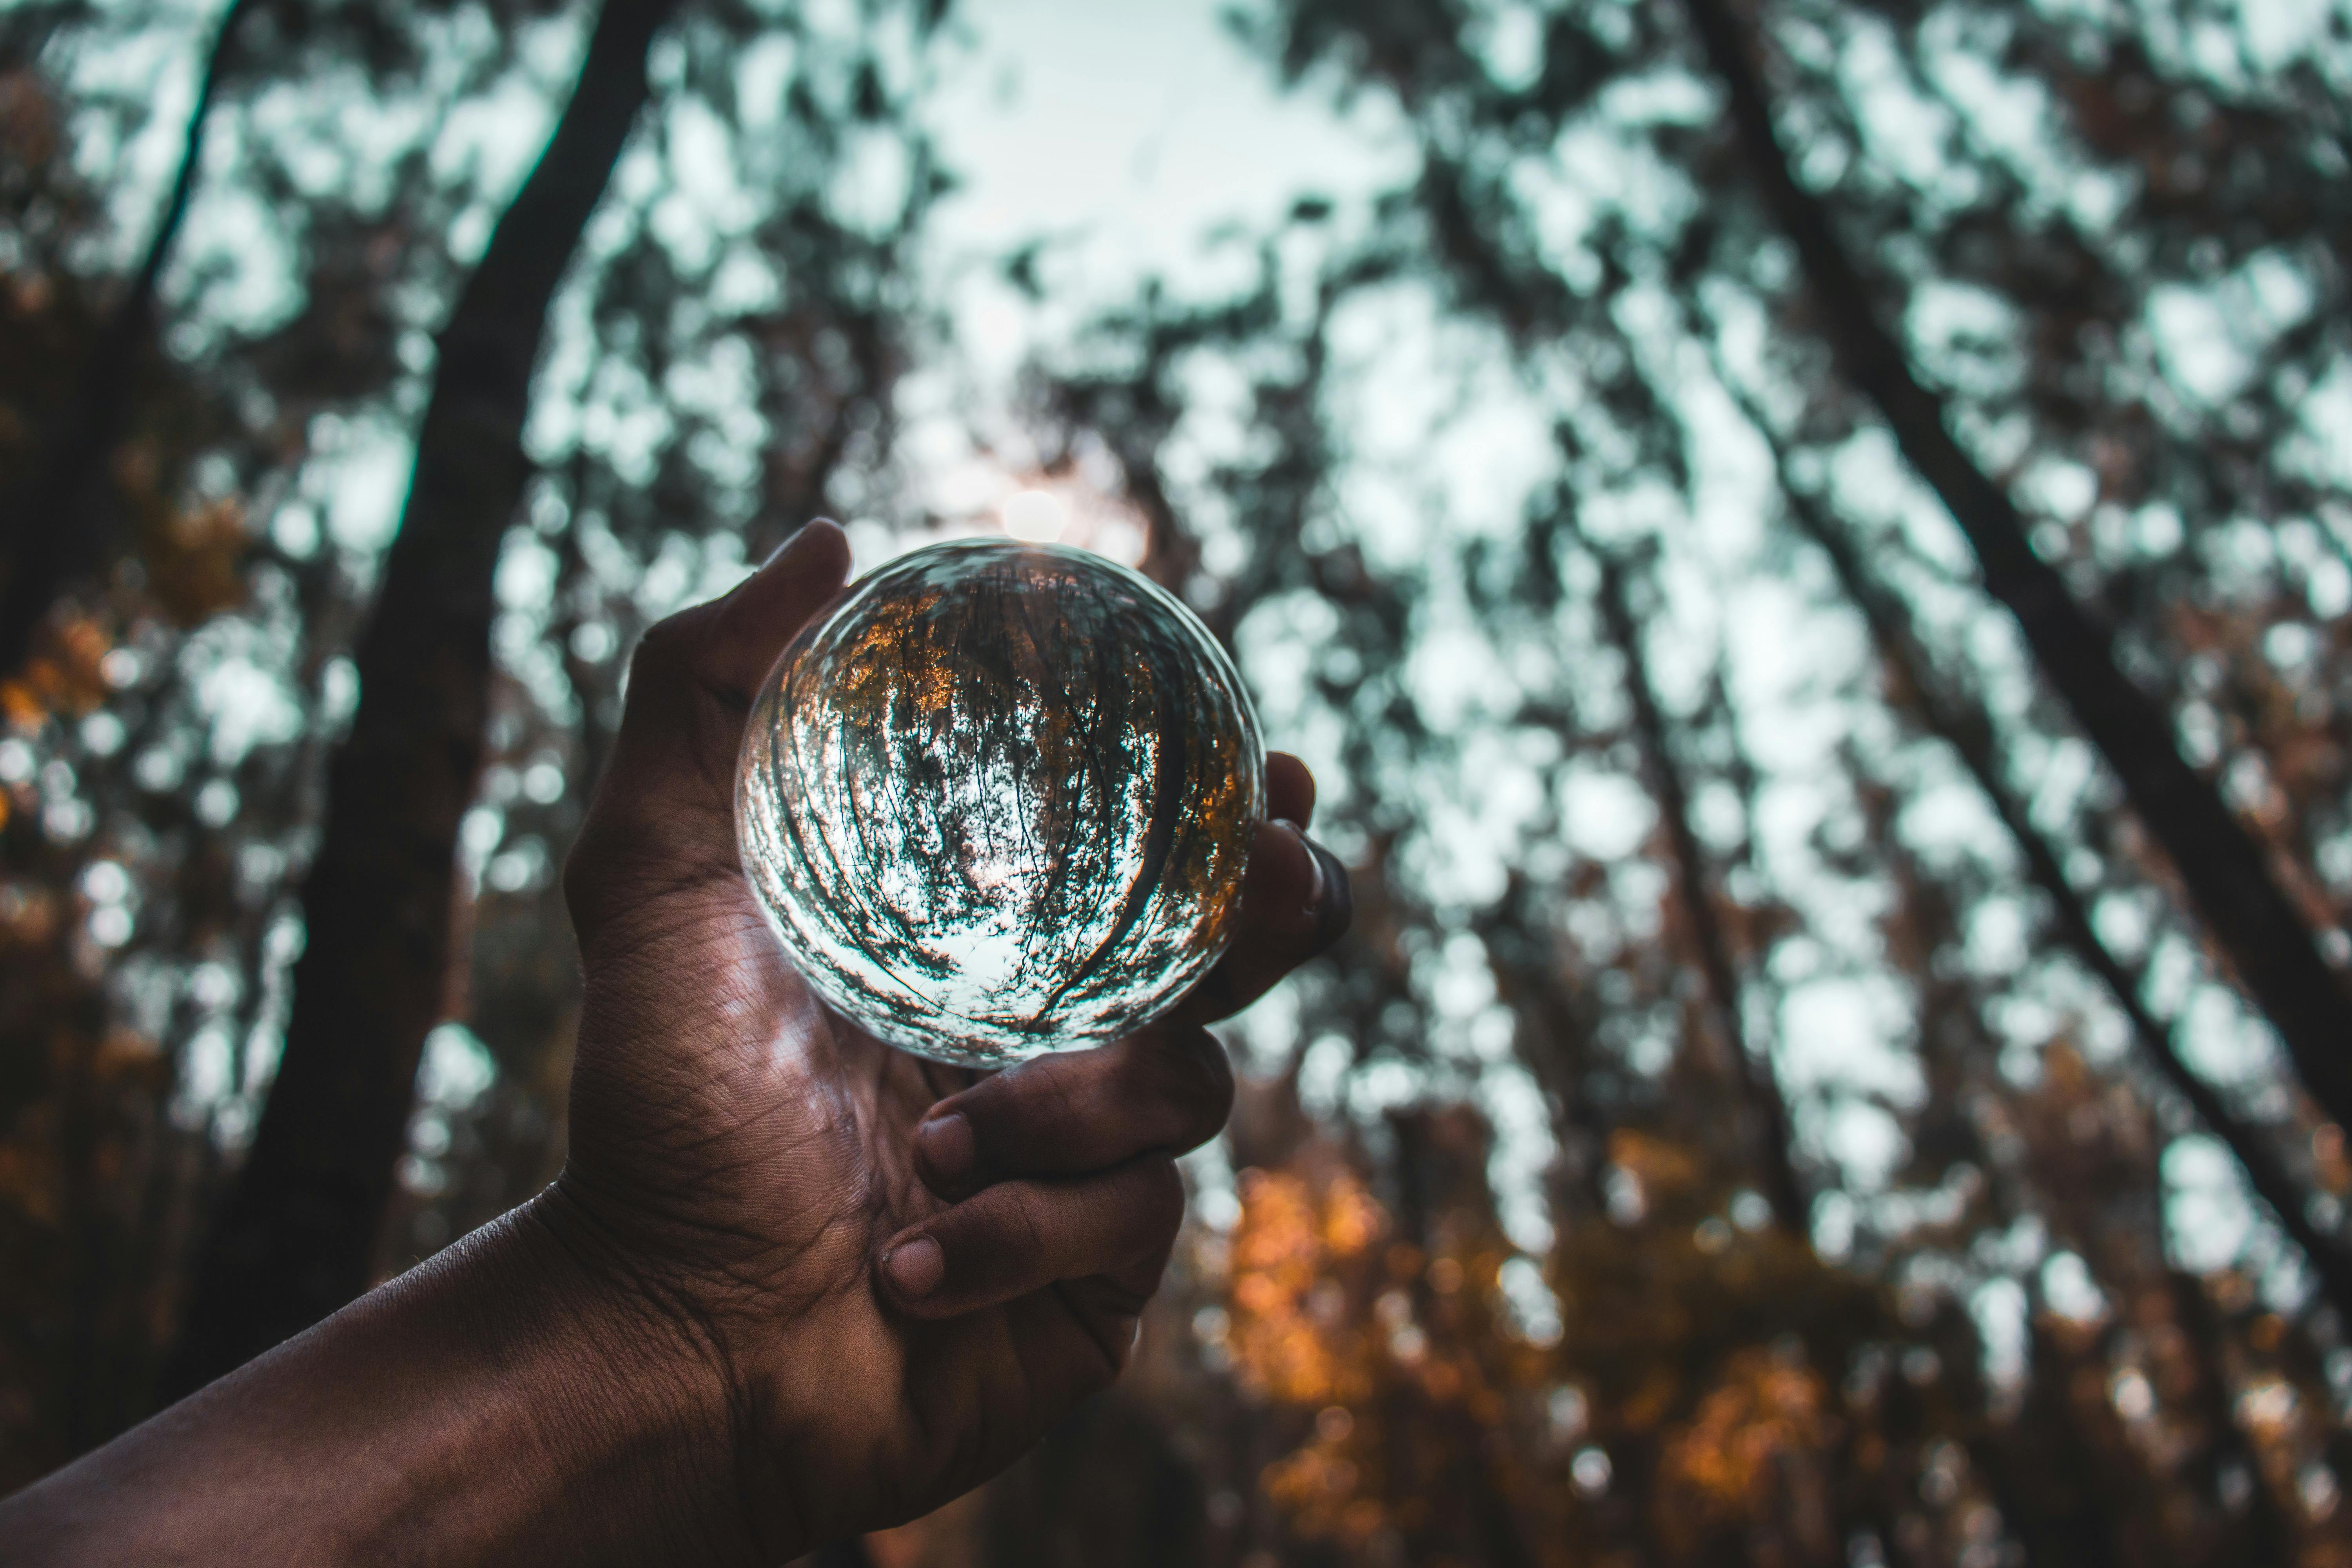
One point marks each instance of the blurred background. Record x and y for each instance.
(1806, 541)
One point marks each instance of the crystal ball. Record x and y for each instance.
(998, 802)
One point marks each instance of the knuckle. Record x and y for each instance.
(663, 665)
(661, 653)
(1019, 1105)
(1069, 1089)
(1212, 1071)
(1101, 1372)
(1339, 902)
(1160, 1197)
(1115, 1338)
(593, 867)
(578, 878)
(1195, 1083)
(1220, 993)
(587, 877)
(1026, 1226)
(1048, 1102)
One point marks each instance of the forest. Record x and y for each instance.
(1808, 544)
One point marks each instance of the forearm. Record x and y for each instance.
(501, 1403)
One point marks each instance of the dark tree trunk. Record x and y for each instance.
(1964, 726)
(2226, 872)
(294, 1239)
(1431, 1171)
(2219, 1454)
(2056, 1498)
(1755, 1077)
(1555, 1040)
(60, 526)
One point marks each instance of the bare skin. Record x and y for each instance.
(791, 1284)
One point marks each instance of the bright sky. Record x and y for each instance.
(1133, 130)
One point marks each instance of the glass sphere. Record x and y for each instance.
(998, 802)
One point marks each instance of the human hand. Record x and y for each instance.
(867, 1281)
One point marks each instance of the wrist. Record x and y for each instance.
(745, 1357)
(635, 1391)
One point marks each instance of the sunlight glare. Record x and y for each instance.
(1037, 517)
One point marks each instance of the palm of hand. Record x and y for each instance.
(764, 1157)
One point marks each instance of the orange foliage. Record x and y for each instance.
(1393, 1363)
(1289, 1337)
(1725, 1464)
(194, 560)
(66, 678)
(1663, 1169)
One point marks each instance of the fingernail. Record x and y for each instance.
(1310, 910)
(915, 1268)
(947, 1146)
(791, 542)
(800, 535)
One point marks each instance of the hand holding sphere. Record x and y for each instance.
(885, 1248)
(791, 1282)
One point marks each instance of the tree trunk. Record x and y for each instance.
(1755, 1077)
(2225, 870)
(296, 1237)
(2057, 1499)
(2254, 1528)
(62, 524)
(1966, 728)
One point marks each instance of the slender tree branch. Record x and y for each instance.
(296, 1237)
(62, 525)
(2225, 869)
(1755, 1077)
(1554, 1036)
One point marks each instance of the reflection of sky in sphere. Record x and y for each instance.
(998, 804)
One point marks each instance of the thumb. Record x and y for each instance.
(664, 811)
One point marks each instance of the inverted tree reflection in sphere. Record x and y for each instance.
(997, 802)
